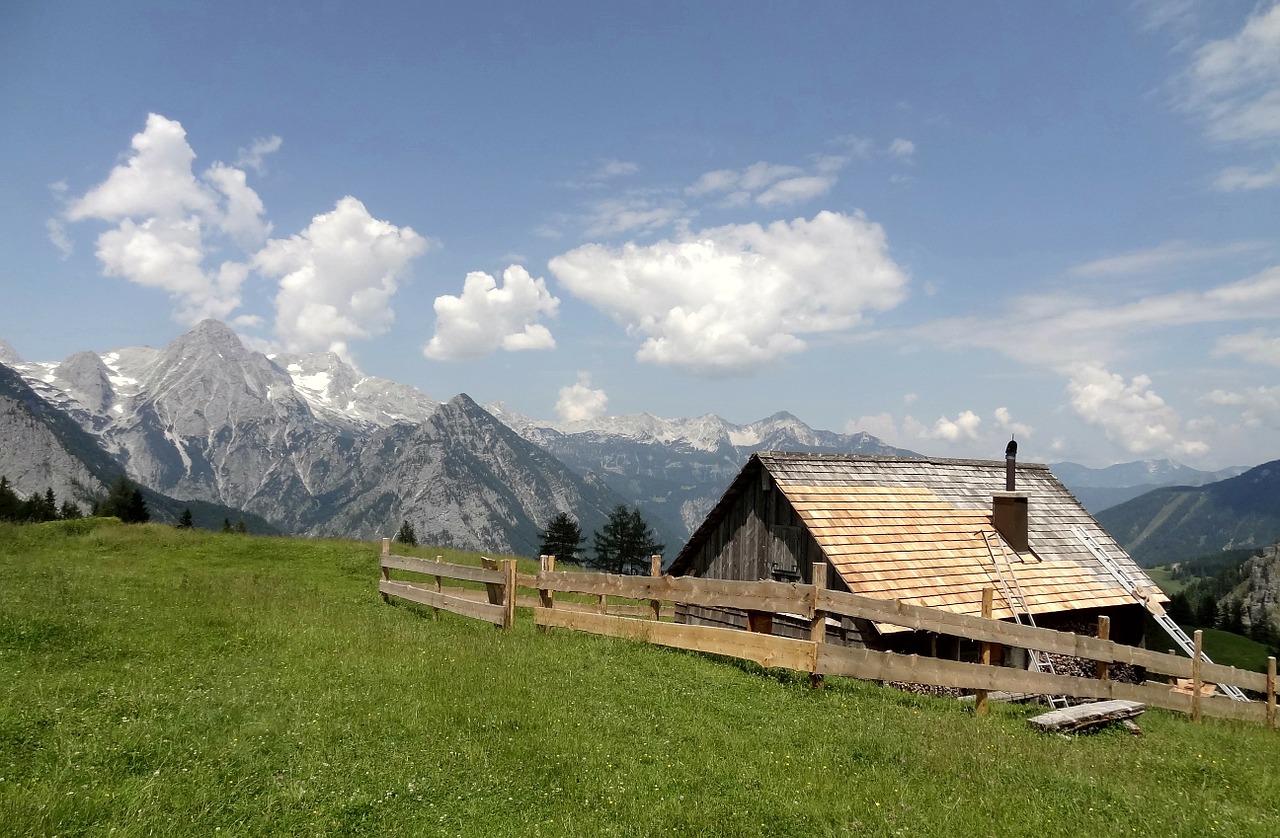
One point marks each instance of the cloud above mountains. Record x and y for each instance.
(732, 299)
(336, 277)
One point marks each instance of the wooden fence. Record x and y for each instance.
(647, 621)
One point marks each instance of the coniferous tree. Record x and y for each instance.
(406, 535)
(1180, 610)
(226, 525)
(241, 529)
(625, 543)
(563, 539)
(1206, 612)
(124, 501)
(69, 511)
(10, 504)
(185, 521)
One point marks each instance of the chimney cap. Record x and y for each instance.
(1011, 450)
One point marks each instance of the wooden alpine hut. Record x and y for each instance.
(931, 532)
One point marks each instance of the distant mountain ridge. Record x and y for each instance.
(676, 469)
(1180, 522)
(1100, 488)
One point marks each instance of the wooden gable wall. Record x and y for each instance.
(759, 537)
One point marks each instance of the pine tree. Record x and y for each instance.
(226, 525)
(563, 539)
(69, 511)
(406, 535)
(625, 543)
(185, 521)
(124, 501)
(1206, 612)
(10, 505)
(241, 529)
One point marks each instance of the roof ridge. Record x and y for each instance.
(885, 458)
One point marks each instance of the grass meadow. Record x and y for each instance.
(156, 681)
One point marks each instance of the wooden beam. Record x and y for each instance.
(464, 573)
(1196, 681)
(1104, 633)
(1086, 715)
(386, 575)
(980, 698)
(818, 623)
(457, 605)
(509, 594)
(1271, 692)
(655, 570)
(763, 649)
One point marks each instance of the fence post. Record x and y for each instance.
(545, 597)
(1195, 677)
(980, 696)
(386, 574)
(1104, 633)
(435, 612)
(818, 623)
(1271, 692)
(655, 570)
(509, 593)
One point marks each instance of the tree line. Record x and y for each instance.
(1210, 602)
(123, 500)
(625, 544)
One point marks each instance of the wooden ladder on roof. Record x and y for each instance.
(1013, 595)
(1138, 592)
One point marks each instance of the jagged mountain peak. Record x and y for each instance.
(8, 355)
(88, 380)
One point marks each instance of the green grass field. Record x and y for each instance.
(164, 682)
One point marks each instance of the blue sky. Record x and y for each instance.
(937, 222)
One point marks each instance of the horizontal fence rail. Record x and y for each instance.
(762, 600)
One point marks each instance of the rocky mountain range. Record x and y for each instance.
(314, 447)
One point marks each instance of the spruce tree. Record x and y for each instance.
(10, 505)
(625, 543)
(185, 521)
(69, 511)
(226, 525)
(563, 539)
(240, 527)
(406, 535)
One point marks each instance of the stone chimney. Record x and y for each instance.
(1009, 508)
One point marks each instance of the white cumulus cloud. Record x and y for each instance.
(488, 317)
(963, 427)
(337, 276)
(732, 299)
(164, 215)
(1128, 412)
(579, 401)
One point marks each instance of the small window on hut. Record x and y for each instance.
(784, 553)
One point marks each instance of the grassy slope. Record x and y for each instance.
(154, 681)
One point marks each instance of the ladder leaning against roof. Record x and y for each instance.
(1012, 591)
(1138, 592)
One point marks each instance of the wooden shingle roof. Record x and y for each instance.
(907, 543)
(913, 529)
